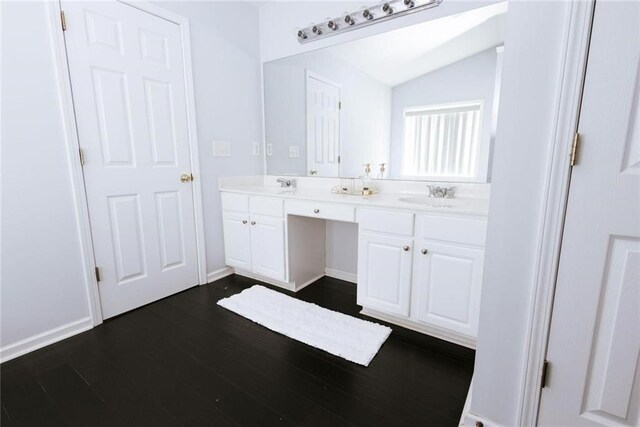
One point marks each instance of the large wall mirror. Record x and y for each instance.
(417, 103)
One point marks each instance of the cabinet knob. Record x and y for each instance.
(316, 211)
(253, 223)
(244, 221)
(424, 251)
(405, 248)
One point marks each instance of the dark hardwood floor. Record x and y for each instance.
(186, 361)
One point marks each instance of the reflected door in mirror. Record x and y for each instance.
(323, 127)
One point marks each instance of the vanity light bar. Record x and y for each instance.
(362, 18)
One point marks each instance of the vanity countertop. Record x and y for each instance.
(462, 206)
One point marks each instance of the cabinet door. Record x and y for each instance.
(237, 239)
(384, 273)
(267, 246)
(447, 284)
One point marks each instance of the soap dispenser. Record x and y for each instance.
(367, 182)
(382, 170)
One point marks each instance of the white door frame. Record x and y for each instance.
(73, 145)
(556, 188)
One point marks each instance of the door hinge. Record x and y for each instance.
(63, 21)
(544, 374)
(339, 105)
(574, 149)
(97, 274)
(81, 154)
(338, 159)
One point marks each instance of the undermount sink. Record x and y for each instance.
(427, 202)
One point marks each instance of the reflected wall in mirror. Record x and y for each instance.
(419, 103)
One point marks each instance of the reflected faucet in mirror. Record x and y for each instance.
(286, 183)
(441, 192)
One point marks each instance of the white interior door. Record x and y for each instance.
(127, 77)
(323, 127)
(594, 343)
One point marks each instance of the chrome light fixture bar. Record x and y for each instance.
(362, 18)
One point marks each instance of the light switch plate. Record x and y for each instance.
(221, 149)
(255, 149)
(294, 151)
(269, 149)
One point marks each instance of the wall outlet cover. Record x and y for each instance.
(221, 149)
(294, 151)
(269, 149)
(255, 149)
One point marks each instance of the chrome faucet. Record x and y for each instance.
(286, 183)
(441, 192)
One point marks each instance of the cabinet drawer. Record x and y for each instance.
(400, 223)
(266, 206)
(321, 210)
(452, 230)
(235, 202)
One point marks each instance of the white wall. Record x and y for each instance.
(227, 81)
(42, 283)
(280, 21)
(342, 247)
(42, 279)
(531, 77)
(364, 118)
(471, 79)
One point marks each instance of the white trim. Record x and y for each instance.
(73, 145)
(342, 275)
(433, 331)
(312, 74)
(81, 206)
(44, 339)
(307, 283)
(466, 409)
(219, 274)
(556, 188)
(289, 286)
(284, 285)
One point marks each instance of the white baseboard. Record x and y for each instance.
(427, 330)
(467, 406)
(219, 274)
(342, 275)
(44, 339)
(285, 285)
(297, 287)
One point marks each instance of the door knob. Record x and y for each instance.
(253, 223)
(244, 221)
(186, 177)
(405, 248)
(316, 211)
(424, 251)
(313, 172)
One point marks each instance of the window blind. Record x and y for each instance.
(442, 142)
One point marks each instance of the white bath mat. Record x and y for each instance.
(353, 339)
